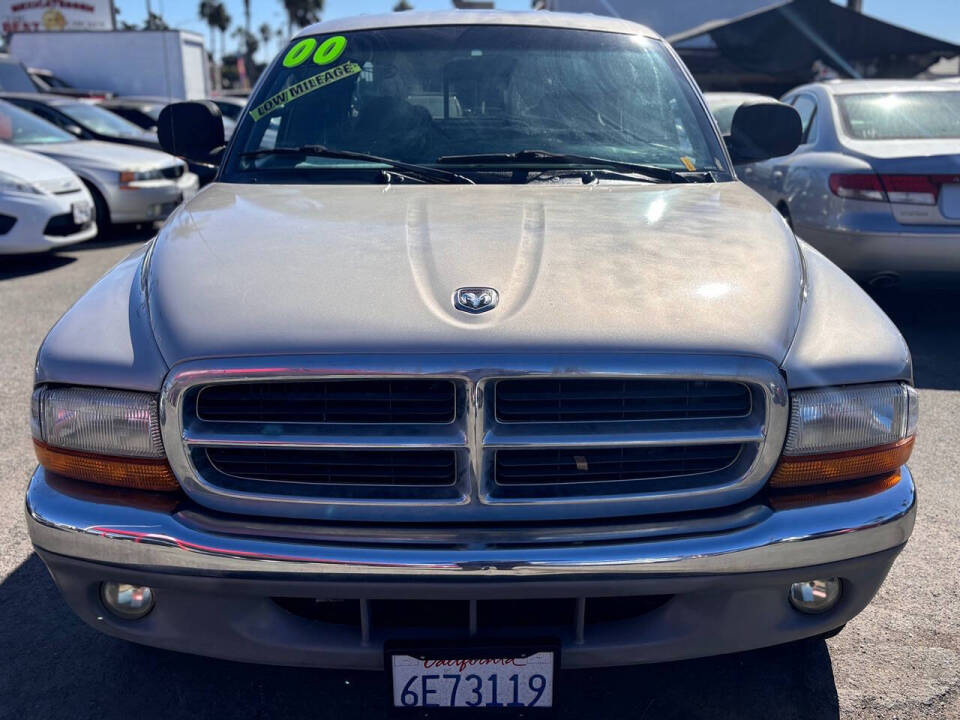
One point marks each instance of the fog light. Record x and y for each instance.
(130, 602)
(815, 596)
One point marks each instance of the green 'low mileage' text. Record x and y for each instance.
(314, 82)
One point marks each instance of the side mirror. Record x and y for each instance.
(74, 130)
(192, 130)
(762, 130)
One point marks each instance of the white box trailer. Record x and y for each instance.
(162, 63)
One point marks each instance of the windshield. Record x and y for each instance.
(20, 127)
(99, 120)
(901, 116)
(419, 94)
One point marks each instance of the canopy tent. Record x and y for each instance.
(776, 48)
(770, 47)
(667, 18)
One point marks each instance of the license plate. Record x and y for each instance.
(487, 679)
(82, 213)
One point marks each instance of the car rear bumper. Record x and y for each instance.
(216, 594)
(872, 253)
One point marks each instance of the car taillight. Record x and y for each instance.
(857, 186)
(911, 189)
(901, 189)
(847, 433)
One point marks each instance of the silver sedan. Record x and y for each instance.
(875, 183)
(129, 184)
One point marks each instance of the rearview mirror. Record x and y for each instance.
(192, 130)
(762, 130)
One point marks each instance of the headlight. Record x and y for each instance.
(11, 183)
(846, 433)
(104, 436)
(131, 176)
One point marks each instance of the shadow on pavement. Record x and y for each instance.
(928, 315)
(117, 236)
(13, 266)
(56, 667)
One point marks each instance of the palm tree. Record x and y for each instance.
(206, 12)
(266, 36)
(302, 13)
(220, 19)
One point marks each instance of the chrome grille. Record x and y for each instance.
(283, 437)
(172, 172)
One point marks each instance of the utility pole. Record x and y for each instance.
(855, 5)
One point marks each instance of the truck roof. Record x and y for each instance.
(573, 21)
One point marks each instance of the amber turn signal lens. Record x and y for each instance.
(805, 470)
(133, 473)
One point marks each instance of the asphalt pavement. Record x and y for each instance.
(898, 659)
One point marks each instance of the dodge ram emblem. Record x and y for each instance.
(475, 299)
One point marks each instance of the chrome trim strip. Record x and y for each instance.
(141, 538)
(633, 434)
(476, 432)
(310, 436)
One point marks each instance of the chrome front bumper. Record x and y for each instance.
(97, 530)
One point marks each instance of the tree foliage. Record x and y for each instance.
(301, 13)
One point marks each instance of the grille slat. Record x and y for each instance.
(529, 400)
(345, 467)
(518, 467)
(330, 401)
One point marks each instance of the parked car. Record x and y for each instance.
(230, 107)
(47, 82)
(14, 76)
(43, 205)
(143, 112)
(724, 104)
(875, 184)
(539, 383)
(127, 184)
(89, 121)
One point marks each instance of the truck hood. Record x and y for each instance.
(284, 269)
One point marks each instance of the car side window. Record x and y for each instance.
(807, 107)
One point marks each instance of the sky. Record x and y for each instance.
(940, 18)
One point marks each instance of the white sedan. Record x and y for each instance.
(43, 204)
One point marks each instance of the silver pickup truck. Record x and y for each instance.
(476, 358)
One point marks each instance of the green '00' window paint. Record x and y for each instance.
(298, 54)
(329, 50)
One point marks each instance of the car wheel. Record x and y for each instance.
(101, 211)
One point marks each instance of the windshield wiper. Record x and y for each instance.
(401, 168)
(653, 173)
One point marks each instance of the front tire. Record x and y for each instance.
(101, 210)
